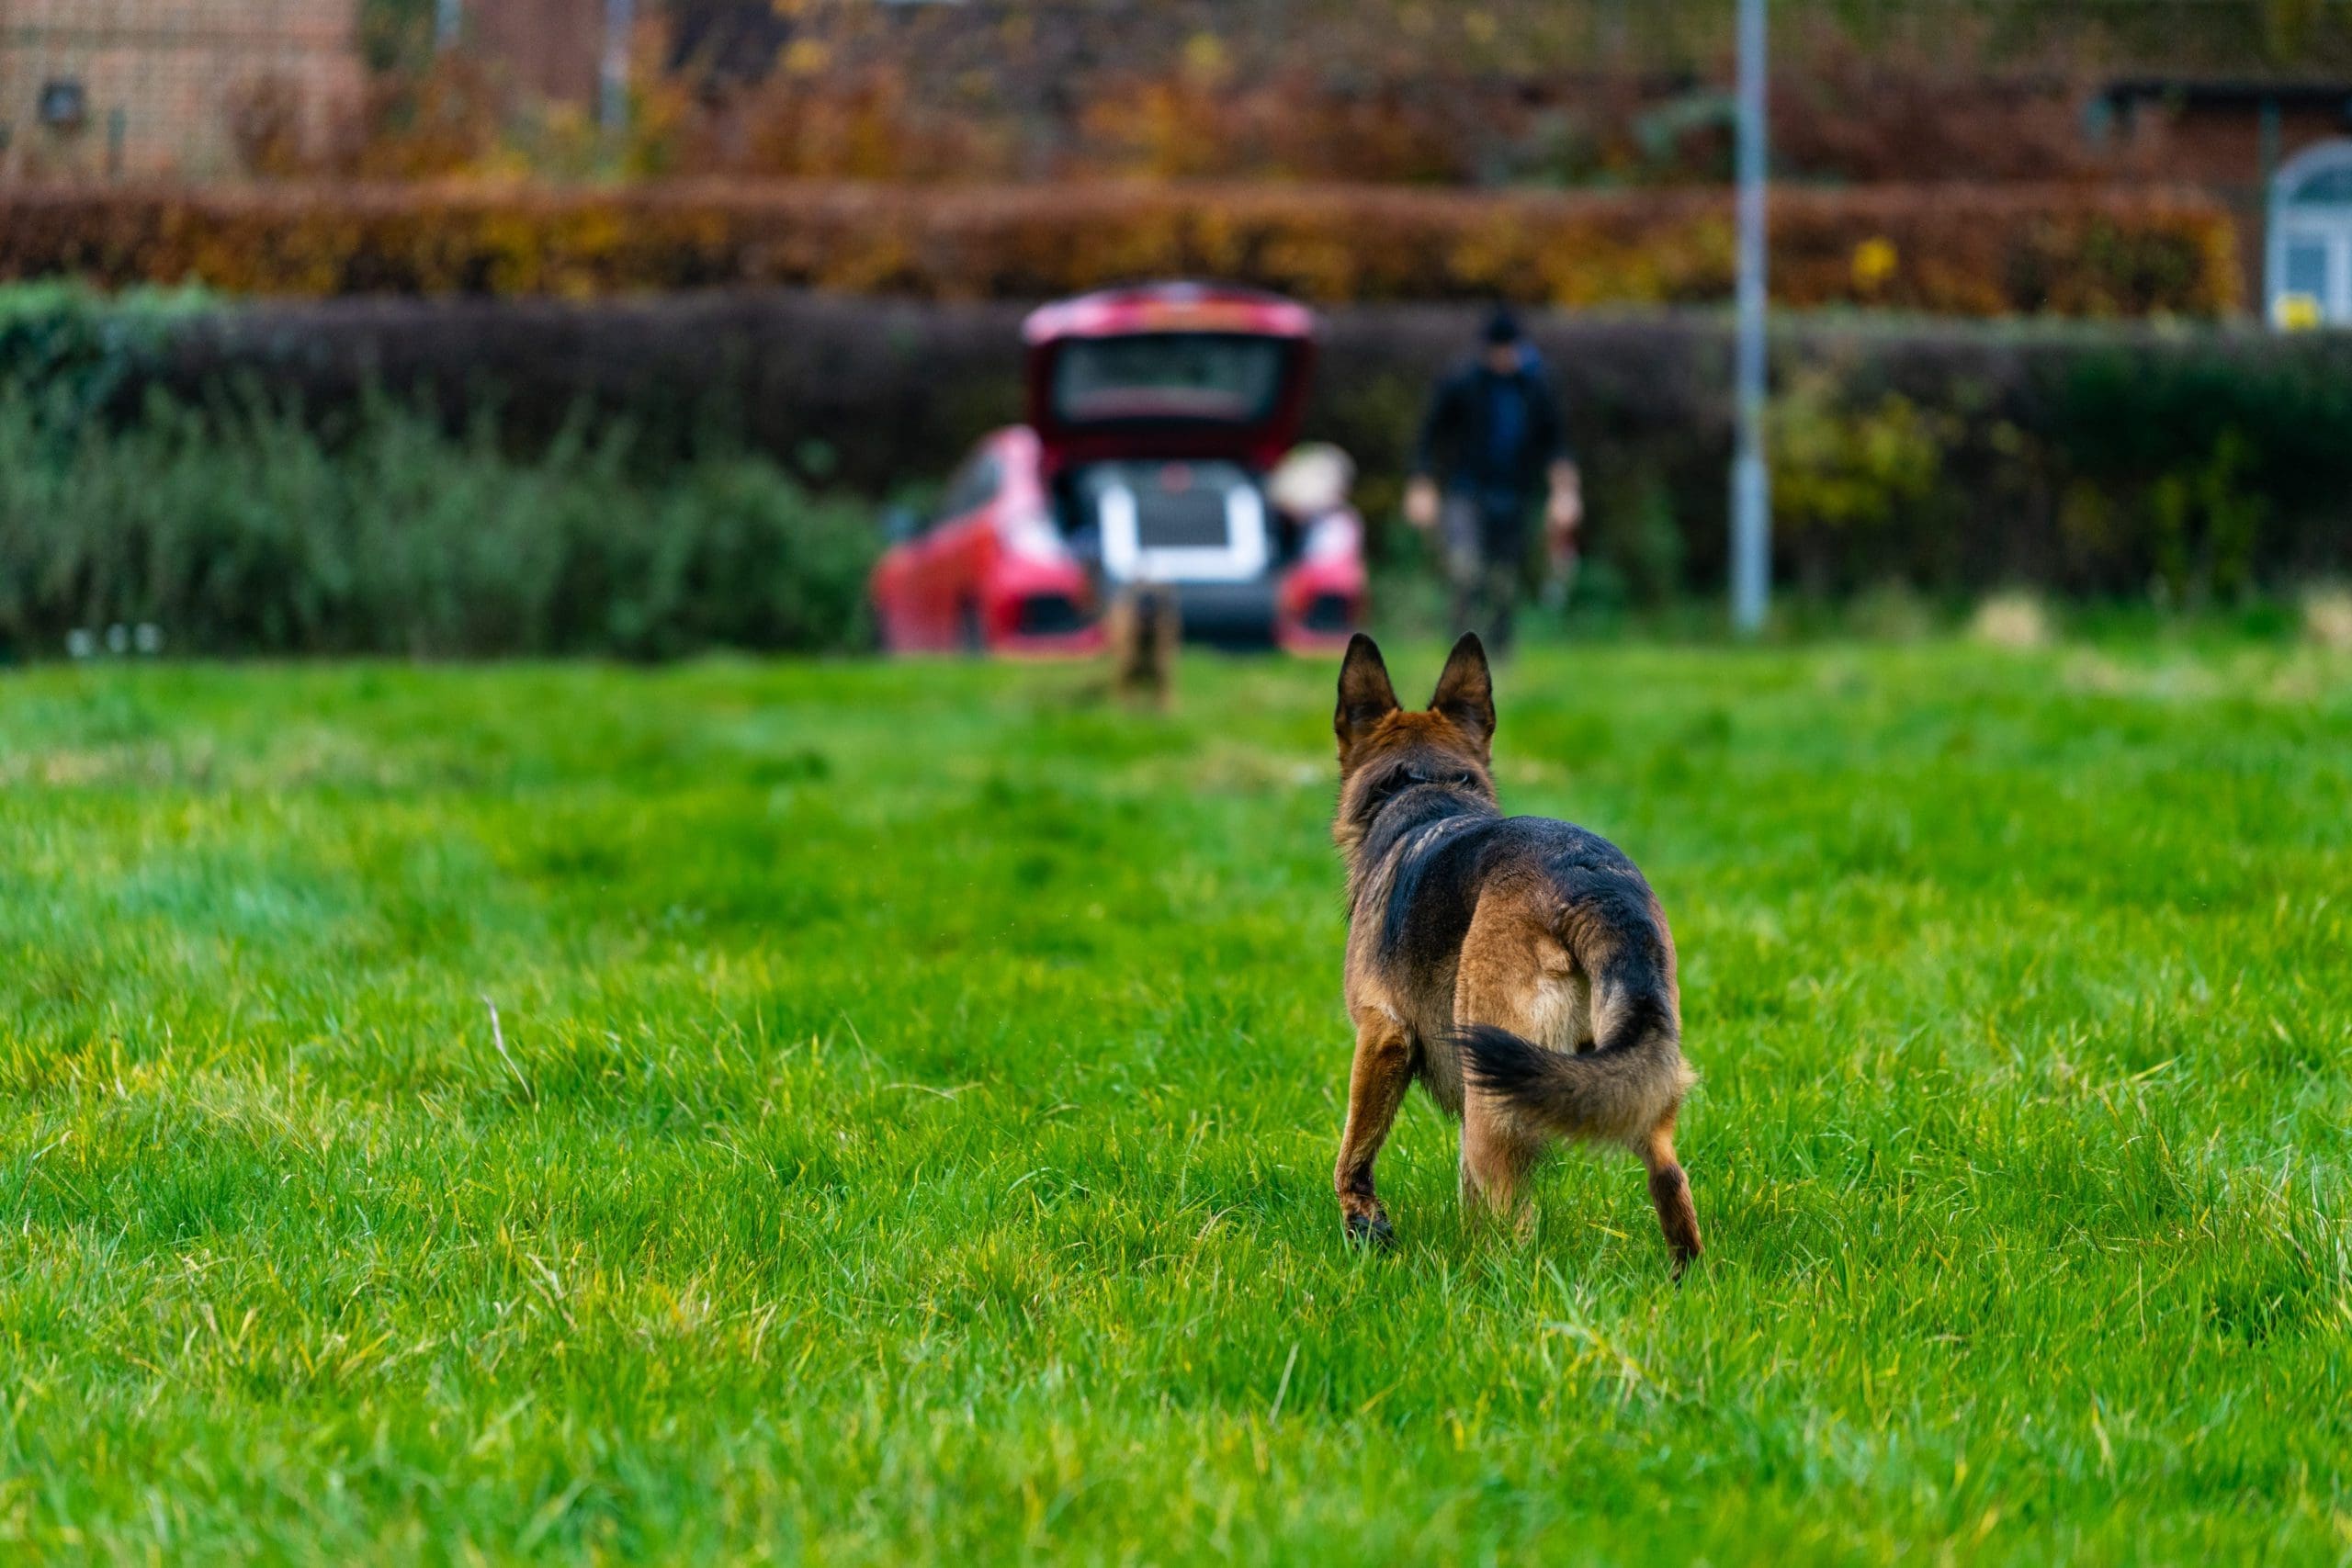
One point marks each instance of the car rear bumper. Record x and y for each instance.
(1306, 610)
(1230, 615)
(1032, 613)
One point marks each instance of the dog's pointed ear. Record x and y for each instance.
(1365, 695)
(1466, 693)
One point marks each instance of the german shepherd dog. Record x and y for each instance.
(1518, 967)
(1140, 630)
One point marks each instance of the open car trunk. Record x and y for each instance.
(1175, 370)
(1159, 411)
(1204, 528)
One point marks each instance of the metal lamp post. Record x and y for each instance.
(612, 94)
(1751, 482)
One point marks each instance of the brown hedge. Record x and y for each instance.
(1954, 249)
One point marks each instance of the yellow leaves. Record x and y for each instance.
(1332, 243)
(1843, 469)
(1205, 56)
(1875, 263)
(1321, 265)
(2218, 271)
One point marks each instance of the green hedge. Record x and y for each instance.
(649, 477)
(244, 530)
(76, 350)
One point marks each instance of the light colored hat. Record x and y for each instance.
(1314, 478)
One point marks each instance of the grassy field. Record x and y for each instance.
(905, 1129)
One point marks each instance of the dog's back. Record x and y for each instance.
(1493, 930)
(1519, 966)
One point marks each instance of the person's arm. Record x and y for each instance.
(1564, 512)
(1564, 509)
(1421, 486)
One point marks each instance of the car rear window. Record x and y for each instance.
(1225, 376)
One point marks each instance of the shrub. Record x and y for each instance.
(2215, 463)
(1974, 251)
(78, 347)
(241, 531)
(1955, 457)
(1844, 477)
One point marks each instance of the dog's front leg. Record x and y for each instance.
(1376, 1085)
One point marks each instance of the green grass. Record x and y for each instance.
(912, 1133)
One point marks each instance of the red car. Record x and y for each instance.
(1156, 415)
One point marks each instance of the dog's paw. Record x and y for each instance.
(1371, 1230)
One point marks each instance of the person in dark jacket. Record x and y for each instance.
(1491, 440)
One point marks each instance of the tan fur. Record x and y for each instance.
(1551, 962)
(1140, 630)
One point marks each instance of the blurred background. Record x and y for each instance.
(471, 327)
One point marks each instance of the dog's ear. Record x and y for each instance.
(1365, 695)
(1466, 693)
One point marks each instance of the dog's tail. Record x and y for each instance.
(1619, 1091)
(1626, 1089)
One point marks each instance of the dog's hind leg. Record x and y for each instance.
(1496, 1156)
(1670, 1193)
(1376, 1085)
(1497, 1147)
(1514, 977)
(1497, 1151)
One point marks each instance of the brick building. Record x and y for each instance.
(2279, 151)
(546, 49)
(162, 89)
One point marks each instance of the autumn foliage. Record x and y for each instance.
(1955, 249)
